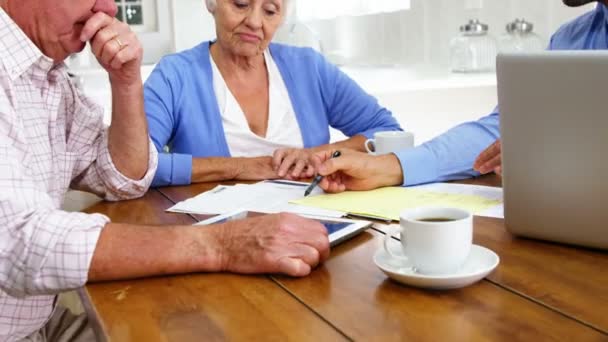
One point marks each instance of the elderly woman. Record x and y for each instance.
(243, 108)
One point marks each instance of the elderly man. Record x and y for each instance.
(456, 153)
(52, 138)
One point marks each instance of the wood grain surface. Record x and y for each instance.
(209, 307)
(540, 291)
(352, 293)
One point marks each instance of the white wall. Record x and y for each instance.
(416, 39)
(546, 15)
(419, 35)
(422, 34)
(193, 24)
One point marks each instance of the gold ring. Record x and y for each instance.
(120, 44)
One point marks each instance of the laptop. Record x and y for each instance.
(554, 128)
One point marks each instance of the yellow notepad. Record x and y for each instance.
(390, 202)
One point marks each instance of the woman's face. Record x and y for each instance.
(246, 27)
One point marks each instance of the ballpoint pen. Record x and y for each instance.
(318, 178)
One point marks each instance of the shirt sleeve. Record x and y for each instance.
(173, 168)
(351, 109)
(42, 250)
(451, 155)
(94, 169)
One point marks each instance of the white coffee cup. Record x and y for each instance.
(387, 142)
(434, 247)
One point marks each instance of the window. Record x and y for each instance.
(151, 21)
(322, 9)
(130, 12)
(140, 14)
(353, 31)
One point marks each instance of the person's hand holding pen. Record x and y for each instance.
(354, 170)
(318, 178)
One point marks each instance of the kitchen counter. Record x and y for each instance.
(415, 78)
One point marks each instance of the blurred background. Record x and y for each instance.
(401, 51)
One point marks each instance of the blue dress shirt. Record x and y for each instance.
(183, 113)
(451, 155)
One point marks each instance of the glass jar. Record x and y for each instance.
(474, 50)
(520, 38)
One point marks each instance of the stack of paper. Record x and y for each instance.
(385, 203)
(267, 197)
(388, 203)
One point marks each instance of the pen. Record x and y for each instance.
(318, 178)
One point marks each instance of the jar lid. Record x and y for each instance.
(520, 26)
(474, 27)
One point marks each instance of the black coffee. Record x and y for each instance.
(436, 219)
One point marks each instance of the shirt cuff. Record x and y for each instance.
(119, 186)
(173, 169)
(62, 251)
(419, 165)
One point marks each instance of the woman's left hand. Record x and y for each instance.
(293, 163)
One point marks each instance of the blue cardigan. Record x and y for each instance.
(183, 113)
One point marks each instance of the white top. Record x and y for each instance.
(283, 129)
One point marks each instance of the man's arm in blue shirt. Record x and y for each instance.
(450, 155)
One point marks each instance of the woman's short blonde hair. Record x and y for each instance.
(287, 5)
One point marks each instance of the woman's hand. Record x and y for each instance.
(293, 163)
(257, 168)
(239, 168)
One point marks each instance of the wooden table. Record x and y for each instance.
(540, 291)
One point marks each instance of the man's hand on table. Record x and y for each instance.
(280, 243)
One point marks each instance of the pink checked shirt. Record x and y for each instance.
(51, 138)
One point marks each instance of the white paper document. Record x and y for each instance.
(266, 196)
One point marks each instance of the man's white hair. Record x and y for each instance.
(288, 7)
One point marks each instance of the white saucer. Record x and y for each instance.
(479, 264)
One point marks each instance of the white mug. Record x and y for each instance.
(434, 247)
(387, 142)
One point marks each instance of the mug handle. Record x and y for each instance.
(388, 237)
(367, 148)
